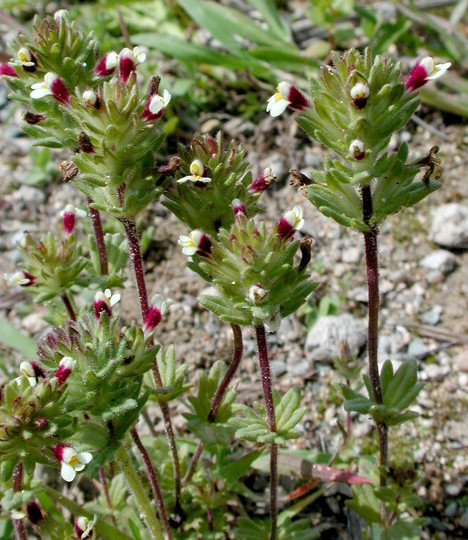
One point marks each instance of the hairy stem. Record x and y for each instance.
(99, 237)
(372, 266)
(138, 270)
(68, 305)
(105, 489)
(270, 410)
(143, 501)
(217, 400)
(153, 480)
(18, 524)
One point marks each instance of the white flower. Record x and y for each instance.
(158, 103)
(70, 209)
(197, 169)
(90, 97)
(84, 526)
(110, 298)
(25, 57)
(137, 55)
(433, 70)
(273, 323)
(359, 91)
(279, 101)
(161, 303)
(18, 278)
(41, 89)
(190, 243)
(294, 218)
(112, 60)
(72, 462)
(256, 294)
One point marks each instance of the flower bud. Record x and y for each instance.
(66, 366)
(256, 294)
(90, 98)
(68, 215)
(357, 149)
(62, 15)
(85, 143)
(7, 71)
(238, 208)
(359, 94)
(31, 118)
(155, 314)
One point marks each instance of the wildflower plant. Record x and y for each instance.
(355, 107)
(75, 406)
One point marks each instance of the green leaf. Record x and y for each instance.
(14, 339)
(276, 25)
(233, 472)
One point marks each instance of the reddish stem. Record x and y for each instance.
(68, 306)
(372, 266)
(18, 524)
(153, 481)
(270, 410)
(217, 400)
(99, 236)
(103, 479)
(137, 264)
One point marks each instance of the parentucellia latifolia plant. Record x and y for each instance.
(76, 405)
(354, 108)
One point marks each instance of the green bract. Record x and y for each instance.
(356, 106)
(248, 258)
(207, 206)
(117, 158)
(55, 265)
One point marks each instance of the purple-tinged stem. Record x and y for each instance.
(372, 267)
(103, 479)
(270, 410)
(217, 400)
(68, 305)
(99, 237)
(18, 524)
(138, 270)
(153, 481)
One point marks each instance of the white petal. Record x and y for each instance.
(167, 97)
(428, 64)
(32, 381)
(156, 104)
(184, 240)
(189, 250)
(18, 514)
(108, 294)
(40, 93)
(157, 301)
(114, 299)
(440, 70)
(203, 179)
(274, 323)
(186, 179)
(67, 472)
(271, 102)
(112, 59)
(284, 89)
(67, 454)
(279, 107)
(26, 369)
(85, 457)
(49, 78)
(79, 467)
